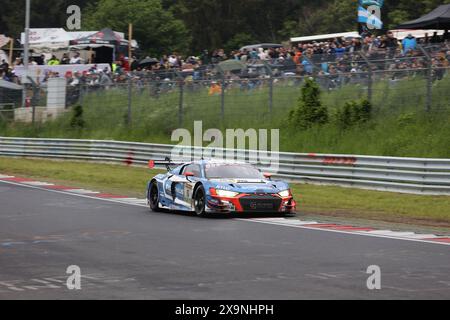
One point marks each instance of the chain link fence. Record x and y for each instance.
(260, 94)
(240, 102)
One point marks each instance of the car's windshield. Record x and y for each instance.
(232, 171)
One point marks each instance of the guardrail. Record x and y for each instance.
(406, 175)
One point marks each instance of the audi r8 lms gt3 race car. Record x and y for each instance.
(209, 187)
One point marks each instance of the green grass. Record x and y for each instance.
(400, 125)
(317, 200)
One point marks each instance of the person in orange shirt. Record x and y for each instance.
(298, 57)
(215, 89)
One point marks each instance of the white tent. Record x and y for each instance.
(323, 37)
(52, 39)
(403, 33)
(4, 40)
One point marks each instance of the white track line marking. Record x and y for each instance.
(38, 184)
(5, 177)
(366, 234)
(261, 221)
(82, 191)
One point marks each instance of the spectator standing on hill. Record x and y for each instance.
(391, 44)
(65, 59)
(409, 44)
(76, 59)
(53, 61)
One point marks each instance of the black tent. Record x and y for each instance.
(105, 43)
(439, 18)
(105, 37)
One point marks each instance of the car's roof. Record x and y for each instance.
(217, 162)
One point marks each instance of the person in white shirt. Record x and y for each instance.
(76, 59)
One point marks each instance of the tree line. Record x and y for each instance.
(190, 26)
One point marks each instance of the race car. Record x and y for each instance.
(209, 187)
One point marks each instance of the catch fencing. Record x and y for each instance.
(405, 175)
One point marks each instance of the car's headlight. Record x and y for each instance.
(226, 194)
(285, 194)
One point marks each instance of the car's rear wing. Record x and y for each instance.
(168, 163)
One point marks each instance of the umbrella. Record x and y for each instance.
(262, 45)
(148, 62)
(231, 65)
(9, 85)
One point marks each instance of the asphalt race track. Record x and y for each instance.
(126, 252)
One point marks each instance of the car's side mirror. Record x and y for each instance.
(189, 175)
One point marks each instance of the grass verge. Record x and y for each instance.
(399, 125)
(432, 211)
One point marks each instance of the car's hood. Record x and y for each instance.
(250, 185)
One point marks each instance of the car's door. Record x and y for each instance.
(192, 173)
(180, 186)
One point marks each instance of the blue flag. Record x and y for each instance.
(366, 3)
(365, 17)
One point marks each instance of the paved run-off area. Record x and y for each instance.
(126, 252)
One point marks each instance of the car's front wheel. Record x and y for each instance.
(154, 197)
(200, 202)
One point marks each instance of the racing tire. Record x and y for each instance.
(153, 197)
(200, 202)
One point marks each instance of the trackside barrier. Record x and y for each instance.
(405, 175)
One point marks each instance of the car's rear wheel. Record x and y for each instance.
(154, 197)
(200, 202)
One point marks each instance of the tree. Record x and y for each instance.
(354, 113)
(310, 110)
(44, 14)
(156, 29)
(77, 121)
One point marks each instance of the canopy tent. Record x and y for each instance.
(439, 18)
(324, 37)
(401, 34)
(4, 40)
(53, 39)
(106, 44)
(104, 38)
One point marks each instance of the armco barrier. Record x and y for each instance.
(407, 175)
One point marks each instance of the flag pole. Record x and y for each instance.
(11, 48)
(26, 48)
(130, 37)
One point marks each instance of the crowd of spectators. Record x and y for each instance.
(332, 58)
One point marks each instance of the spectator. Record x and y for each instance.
(409, 44)
(435, 38)
(391, 44)
(53, 61)
(76, 59)
(4, 66)
(65, 59)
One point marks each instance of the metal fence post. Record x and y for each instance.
(81, 95)
(129, 114)
(222, 99)
(369, 77)
(180, 106)
(428, 99)
(271, 95)
(270, 72)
